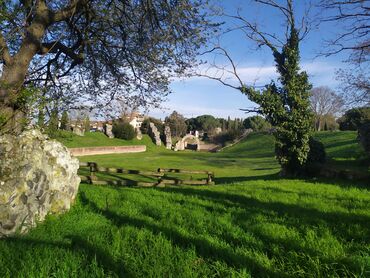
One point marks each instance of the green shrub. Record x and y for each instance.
(317, 152)
(123, 130)
(364, 136)
(354, 118)
(145, 125)
(257, 123)
(316, 157)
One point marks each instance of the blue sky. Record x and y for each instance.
(196, 96)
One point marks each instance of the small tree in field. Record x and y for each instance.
(53, 123)
(177, 124)
(41, 118)
(123, 130)
(64, 121)
(86, 123)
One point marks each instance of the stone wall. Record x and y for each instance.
(78, 130)
(107, 150)
(37, 176)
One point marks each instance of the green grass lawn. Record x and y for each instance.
(96, 139)
(251, 224)
(343, 150)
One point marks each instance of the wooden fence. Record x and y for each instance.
(161, 176)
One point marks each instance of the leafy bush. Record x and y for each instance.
(64, 122)
(123, 130)
(145, 125)
(316, 157)
(317, 152)
(177, 124)
(257, 123)
(354, 118)
(364, 136)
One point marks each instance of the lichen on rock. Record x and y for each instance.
(38, 176)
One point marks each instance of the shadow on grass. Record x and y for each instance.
(228, 180)
(203, 247)
(75, 244)
(310, 216)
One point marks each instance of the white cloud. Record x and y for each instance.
(320, 73)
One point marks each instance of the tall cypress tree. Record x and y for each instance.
(286, 106)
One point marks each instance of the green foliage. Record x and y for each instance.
(64, 121)
(41, 118)
(52, 128)
(177, 124)
(317, 154)
(86, 123)
(354, 118)
(328, 122)
(364, 136)
(286, 107)
(343, 150)
(207, 123)
(257, 123)
(123, 130)
(145, 125)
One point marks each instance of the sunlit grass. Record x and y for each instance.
(251, 224)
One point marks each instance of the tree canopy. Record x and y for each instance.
(89, 51)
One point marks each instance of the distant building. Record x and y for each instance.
(135, 119)
(97, 125)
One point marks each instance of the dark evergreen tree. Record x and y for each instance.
(64, 121)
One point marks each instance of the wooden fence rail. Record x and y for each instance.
(160, 175)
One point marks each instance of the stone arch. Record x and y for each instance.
(181, 145)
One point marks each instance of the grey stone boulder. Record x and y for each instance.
(38, 176)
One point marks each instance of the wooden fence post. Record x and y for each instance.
(93, 167)
(209, 179)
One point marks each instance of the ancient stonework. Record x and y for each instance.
(139, 135)
(182, 143)
(78, 131)
(154, 134)
(37, 176)
(167, 137)
(180, 146)
(108, 130)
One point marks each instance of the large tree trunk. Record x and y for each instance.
(15, 71)
(11, 85)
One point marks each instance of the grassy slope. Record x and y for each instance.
(257, 224)
(343, 150)
(96, 139)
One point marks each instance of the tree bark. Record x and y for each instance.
(11, 83)
(15, 70)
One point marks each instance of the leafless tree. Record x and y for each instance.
(353, 20)
(324, 102)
